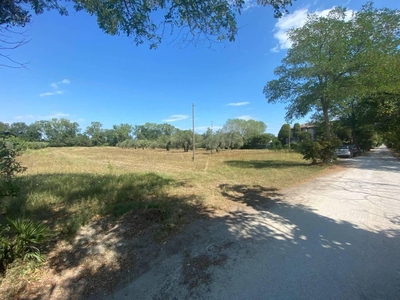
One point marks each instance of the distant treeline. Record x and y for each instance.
(235, 134)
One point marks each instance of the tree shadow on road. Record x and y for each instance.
(292, 246)
(331, 252)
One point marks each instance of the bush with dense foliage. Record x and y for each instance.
(36, 145)
(319, 151)
(9, 167)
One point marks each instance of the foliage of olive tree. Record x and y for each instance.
(210, 140)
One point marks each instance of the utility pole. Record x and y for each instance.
(193, 139)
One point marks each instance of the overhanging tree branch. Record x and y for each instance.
(136, 18)
(11, 40)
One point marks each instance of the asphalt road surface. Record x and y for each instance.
(337, 237)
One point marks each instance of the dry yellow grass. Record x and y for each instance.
(69, 187)
(202, 178)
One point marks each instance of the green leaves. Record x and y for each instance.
(21, 239)
(315, 151)
(9, 167)
(244, 128)
(17, 13)
(148, 21)
(336, 58)
(28, 232)
(284, 134)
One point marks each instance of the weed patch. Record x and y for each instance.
(68, 201)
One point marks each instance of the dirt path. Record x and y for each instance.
(334, 238)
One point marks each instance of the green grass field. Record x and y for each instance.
(68, 187)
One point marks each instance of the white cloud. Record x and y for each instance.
(295, 20)
(175, 118)
(55, 85)
(65, 81)
(55, 115)
(249, 4)
(245, 117)
(238, 103)
(58, 92)
(26, 117)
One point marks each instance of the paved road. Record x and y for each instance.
(337, 237)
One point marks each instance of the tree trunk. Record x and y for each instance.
(353, 124)
(326, 119)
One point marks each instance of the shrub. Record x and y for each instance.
(276, 144)
(21, 239)
(143, 144)
(323, 150)
(123, 144)
(37, 145)
(328, 150)
(17, 144)
(9, 167)
(294, 146)
(131, 143)
(310, 150)
(153, 145)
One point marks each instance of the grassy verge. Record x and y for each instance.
(70, 200)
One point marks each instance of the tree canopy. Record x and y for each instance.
(146, 20)
(334, 59)
(62, 132)
(284, 134)
(245, 128)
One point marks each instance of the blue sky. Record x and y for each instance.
(76, 71)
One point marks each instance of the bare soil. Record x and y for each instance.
(100, 258)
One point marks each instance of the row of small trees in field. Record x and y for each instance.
(234, 134)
